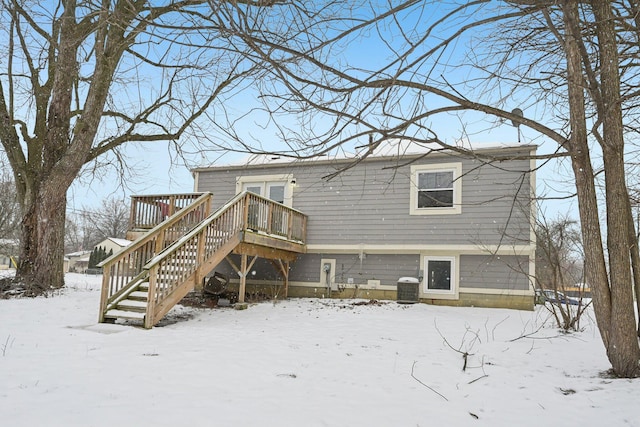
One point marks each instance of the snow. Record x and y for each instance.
(77, 254)
(308, 362)
(391, 148)
(120, 242)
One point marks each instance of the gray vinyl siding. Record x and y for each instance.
(386, 268)
(476, 271)
(495, 272)
(369, 203)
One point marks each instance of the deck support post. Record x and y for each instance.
(243, 278)
(242, 272)
(286, 279)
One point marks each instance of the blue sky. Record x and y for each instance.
(158, 172)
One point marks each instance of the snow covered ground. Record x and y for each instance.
(302, 362)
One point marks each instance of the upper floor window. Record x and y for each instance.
(274, 187)
(436, 189)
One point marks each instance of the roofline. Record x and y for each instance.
(334, 160)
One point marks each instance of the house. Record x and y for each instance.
(8, 253)
(428, 225)
(78, 262)
(113, 244)
(460, 225)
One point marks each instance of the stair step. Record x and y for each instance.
(138, 296)
(132, 305)
(121, 314)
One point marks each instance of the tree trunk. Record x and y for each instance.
(595, 267)
(635, 264)
(41, 265)
(623, 349)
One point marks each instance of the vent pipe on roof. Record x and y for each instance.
(517, 112)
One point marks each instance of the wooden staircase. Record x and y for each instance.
(146, 279)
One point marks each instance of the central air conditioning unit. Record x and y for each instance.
(408, 289)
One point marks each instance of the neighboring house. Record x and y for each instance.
(460, 225)
(113, 244)
(78, 261)
(8, 253)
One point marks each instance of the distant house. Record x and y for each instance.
(113, 244)
(461, 226)
(78, 262)
(8, 253)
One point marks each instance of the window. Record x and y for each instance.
(440, 275)
(276, 192)
(278, 188)
(275, 187)
(436, 189)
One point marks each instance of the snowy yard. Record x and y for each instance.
(302, 362)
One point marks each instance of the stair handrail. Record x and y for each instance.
(121, 270)
(169, 269)
(164, 278)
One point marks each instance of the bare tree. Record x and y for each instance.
(571, 62)
(572, 65)
(9, 207)
(559, 267)
(111, 219)
(81, 78)
(88, 226)
(73, 234)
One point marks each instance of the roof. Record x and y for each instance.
(389, 149)
(77, 254)
(120, 242)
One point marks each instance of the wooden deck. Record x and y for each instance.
(178, 251)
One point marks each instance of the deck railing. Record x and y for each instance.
(274, 218)
(149, 211)
(188, 245)
(120, 270)
(213, 239)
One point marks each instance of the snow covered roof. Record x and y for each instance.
(120, 242)
(77, 254)
(391, 148)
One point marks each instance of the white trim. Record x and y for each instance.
(455, 274)
(456, 209)
(196, 180)
(415, 249)
(533, 210)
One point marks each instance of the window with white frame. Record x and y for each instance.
(436, 189)
(440, 275)
(275, 187)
